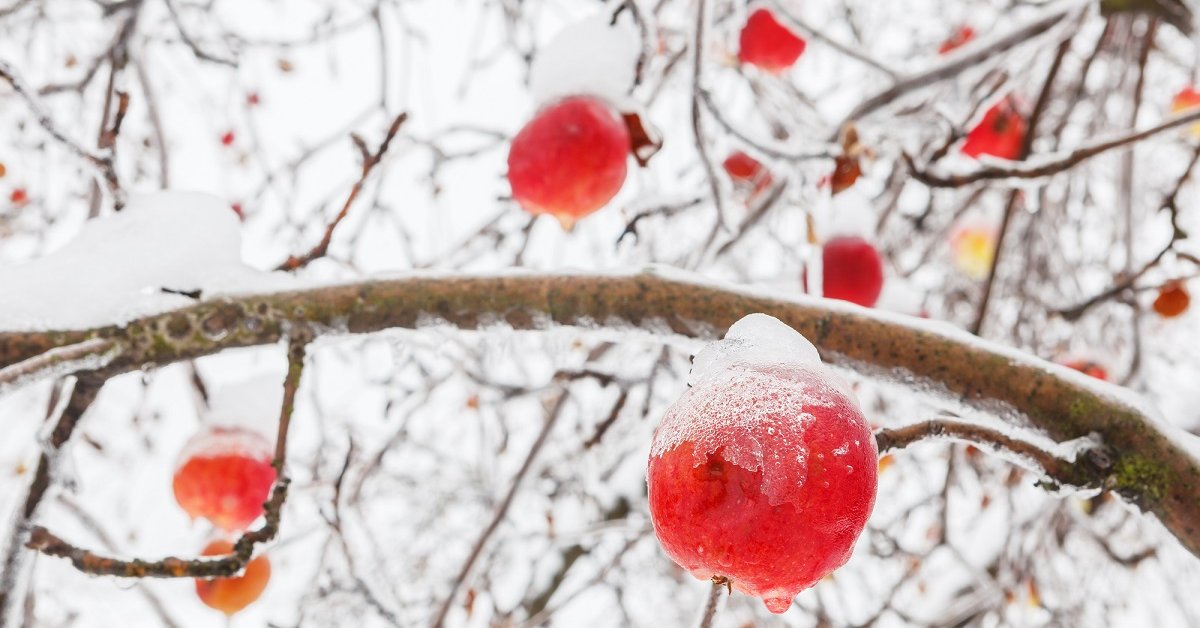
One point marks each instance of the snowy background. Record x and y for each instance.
(419, 434)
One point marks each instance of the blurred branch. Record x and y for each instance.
(1152, 466)
(369, 161)
(87, 561)
(501, 511)
(1045, 165)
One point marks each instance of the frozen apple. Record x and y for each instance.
(999, 134)
(1187, 100)
(973, 249)
(1172, 300)
(764, 472)
(767, 44)
(225, 476)
(231, 595)
(851, 271)
(957, 39)
(570, 159)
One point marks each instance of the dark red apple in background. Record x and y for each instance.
(852, 270)
(1172, 300)
(767, 44)
(999, 134)
(570, 159)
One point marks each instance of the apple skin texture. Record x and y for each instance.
(999, 134)
(852, 270)
(766, 476)
(570, 159)
(231, 595)
(224, 476)
(767, 44)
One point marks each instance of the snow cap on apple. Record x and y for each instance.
(764, 472)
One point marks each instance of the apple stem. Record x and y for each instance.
(714, 601)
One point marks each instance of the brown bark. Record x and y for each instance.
(1141, 459)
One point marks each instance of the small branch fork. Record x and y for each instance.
(87, 561)
(369, 161)
(713, 602)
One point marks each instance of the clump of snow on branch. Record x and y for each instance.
(590, 56)
(142, 260)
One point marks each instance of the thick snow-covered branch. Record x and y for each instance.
(1152, 464)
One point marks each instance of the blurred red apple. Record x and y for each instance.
(1173, 299)
(957, 39)
(570, 159)
(225, 476)
(230, 595)
(1187, 100)
(999, 134)
(747, 172)
(767, 44)
(852, 270)
(1088, 367)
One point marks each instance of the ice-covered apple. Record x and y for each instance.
(1187, 99)
(764, 472)
(957, 39)
(225, 476)
(973, 249)
(570, 159)
(851, 270)
(231, 595)
(767, 44)
(1000, 133)
(1172, 300)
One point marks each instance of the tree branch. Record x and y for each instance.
(1153, 465)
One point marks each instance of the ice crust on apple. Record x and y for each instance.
(764, 471)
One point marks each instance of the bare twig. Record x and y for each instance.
(713, 602)
(369, 161)
(500, 513)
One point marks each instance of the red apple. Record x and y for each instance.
(1172, 300)
(1187, 99)
(767, 44)
(1088, 367)
(19, 196)
(230, 595)
(765, 475)
(747, 172)
(570, 159)
(225, 476)
(1000, 133)
(957, 39)
(852, 271)
(227, 138)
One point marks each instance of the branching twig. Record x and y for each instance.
(369, 161)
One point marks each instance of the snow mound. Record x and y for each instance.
(588, 57)
(120, 266)
(757, 339)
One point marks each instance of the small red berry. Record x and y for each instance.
(852, 270)
(764, 472)
(252, 99)
(237, 209)
(225, 476)
(570, 159)
(767, 44)
(1088, 367)
(1173, 299)
(957, 39)
(19, 196)
(227, 138)
(1000, 133)
(230, 595)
